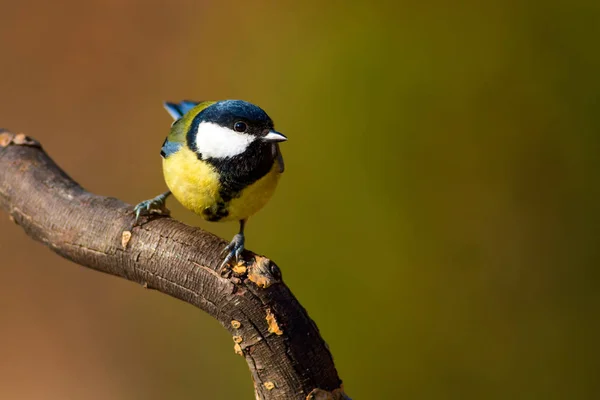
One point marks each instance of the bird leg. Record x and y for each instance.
(147, 206)
(236, 247)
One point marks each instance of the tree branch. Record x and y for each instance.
(286, 355)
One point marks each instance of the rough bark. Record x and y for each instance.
(286, 355)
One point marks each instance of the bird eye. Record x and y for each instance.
(240, 126)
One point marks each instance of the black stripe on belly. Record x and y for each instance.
(237, 173)
(217, 212)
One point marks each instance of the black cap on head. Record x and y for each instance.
(238, 115)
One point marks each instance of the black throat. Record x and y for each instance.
(242, 170)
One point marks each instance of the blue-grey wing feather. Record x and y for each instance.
(169, 148)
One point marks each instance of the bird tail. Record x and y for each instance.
(178, 110)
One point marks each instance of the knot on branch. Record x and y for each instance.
(262, 271)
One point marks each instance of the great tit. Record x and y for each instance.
(222, 161)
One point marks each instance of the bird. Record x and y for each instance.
(222, 161)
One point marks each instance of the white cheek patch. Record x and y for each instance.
(214, 141)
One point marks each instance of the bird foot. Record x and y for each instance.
(234, 250)
(155, 205)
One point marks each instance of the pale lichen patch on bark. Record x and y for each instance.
(20, 139)
(6, 138)
(272, 322)
(125, 238)
(238, 349)
(239, 269)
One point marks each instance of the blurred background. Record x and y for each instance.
(438, 217)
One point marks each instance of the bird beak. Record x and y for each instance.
(274, 137)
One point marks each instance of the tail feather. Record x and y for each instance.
(178, 110)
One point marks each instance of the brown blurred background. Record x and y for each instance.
(438, 216)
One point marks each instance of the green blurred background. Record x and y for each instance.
(438, 216)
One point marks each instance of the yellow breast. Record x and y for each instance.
(195, 184)
(255, 196)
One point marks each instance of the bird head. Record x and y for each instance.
(229, 128)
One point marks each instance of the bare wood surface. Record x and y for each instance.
(285, 353)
